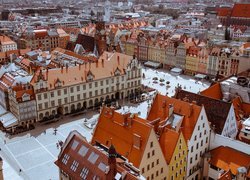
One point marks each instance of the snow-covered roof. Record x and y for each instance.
(8, 120)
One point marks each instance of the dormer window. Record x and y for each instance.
(117, 72)
(90, 76)
(26, 97)
(58, 83)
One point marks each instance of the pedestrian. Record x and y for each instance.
(44, 131)
(20, 170)
(4, 141)
(57, 146)
(55, 131)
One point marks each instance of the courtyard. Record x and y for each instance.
(31, 155)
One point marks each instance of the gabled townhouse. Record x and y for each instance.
(70, 89)
(170, 60)
(203, 60)
(23, 104)
(181, 56)
(220, 114)
(142, 49)
(80, 160)
(191, 120)
(192, 60)
(174, 148)
(225, 160)
(213, 62)
(135, 139)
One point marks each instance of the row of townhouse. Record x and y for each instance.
(192, 56)
(69, 89)
(173, 141)
(44, 39)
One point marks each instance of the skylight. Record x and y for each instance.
(102, 167)
(83, 151)
(74, 144)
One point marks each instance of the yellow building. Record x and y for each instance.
(155, 53)
(192, 60)
(174, 148)
(130, 45)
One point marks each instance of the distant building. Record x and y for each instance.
(238, 15)
(80, 160)
(6, 44)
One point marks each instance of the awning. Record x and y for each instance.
(200, 76)
(8, 120)
(176, 70)
(152, 64)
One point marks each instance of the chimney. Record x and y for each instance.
(96, 63)
(61, 69)
(102, 62)
(80, 66)
(75, 63)
(67, 66)
(111, 169)
(118, 59)
(170, 109)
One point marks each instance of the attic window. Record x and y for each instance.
(93, 157)
(102, 167)
(83, 151)
(136, 141)
(74, 144)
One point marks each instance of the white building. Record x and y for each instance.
(6, 44)
(71, 89)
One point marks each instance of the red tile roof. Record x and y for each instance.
(241, 10)
(213, 91)
(160, 109)
(227, 158)
(120, 130)
(168, 141)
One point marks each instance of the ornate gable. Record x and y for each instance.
(117, 72)
(90, 76)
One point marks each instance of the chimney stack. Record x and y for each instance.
(170, 110)
(118, 59)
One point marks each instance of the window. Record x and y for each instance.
(45, 95)
(90, 85)
(78, 88)
(90, 94)
(72, 89)
(196, 156)
(59, 102)
(78, 97)
(72, 98)
(201, 142)
(153, 152)
(201, 117)
(148, 155)
(191, 160)
(206, 139)
(200, 134)
(65, 159)
(192, 149)
(157, 161)
(39, 97)
(157, 173)
(46, 105)
(96, 84)
(96, 92)
(152, 165)
(74, 165)
(74, 144)
(93, 157)
(148, 167)
(84, 95)
(84, 87)
(198, 128)
(84, 173)
(203, 125)
(101, 82)
(52, 103)
(59, 92)
(161, 170)
(142, 170)
(197, 145)
(107, 90)
(152, 176)
(205, 132)
(52, 94)
(65, 100)
(40, 106)
(195, 138)
(151, 144)
(65, 91)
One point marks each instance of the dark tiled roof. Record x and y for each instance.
(216, 110)
(80, 160)
(87, 42)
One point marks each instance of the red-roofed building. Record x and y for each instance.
(135, 139)
(191, 120)
(223, 162)
(23, 104)
(80, 160)
(238, 15)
